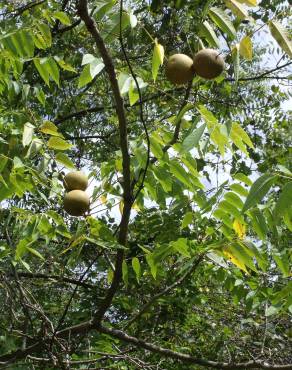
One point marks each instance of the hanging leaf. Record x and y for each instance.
(47, 67)
(181, 245)
(240, 137)
(230, 209)
(233, 259)
(242, 177)
(239, 189)
(27, 135)
(50, 128)
(58, 143)
(179, 172)
(192, 140)
(235, 59)
(157, 59)
(40, 96)
(35, 252)
(245, 48)
(133, 19)
(137, 268)
(65, 160)
(43, 36)
(85, 77)
(282, 36)
(284, 202)
(44, 73)
(234, 199)
(258, 223)
(239, 228)
(217, 134)
(96, 66)
(125, 272)
(62, 17)
(102, 8)
(19, 43)
(258, 190)
(65, 66)
(282, 261)
(237, 9)
(133, 94)
(187, 220)
(222, 20)
(208, 32)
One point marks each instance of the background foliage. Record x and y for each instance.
(205, 263)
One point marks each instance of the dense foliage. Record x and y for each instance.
(183, 260)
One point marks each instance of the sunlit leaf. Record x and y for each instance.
(157, 59)
(258, 190)
(239, 228)
(58, 143)
(208, 32)
(27, 135)
(222, 20)
(245, 48)
(65, 160)
(136, 267)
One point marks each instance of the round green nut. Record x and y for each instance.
(76, 202)
(208, 64)
(76, 180)
(179, 69)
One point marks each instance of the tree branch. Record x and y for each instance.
(187, 358)
(127, 192)
(85, 327)
(263, 75)
(30, 275)
(22, 9)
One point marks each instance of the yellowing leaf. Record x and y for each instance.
(50, 129)
(249, 2)
(245, 48)
(237, 9)
(240, 137)
(157, 59)
(282, 36)
(103, 199)
(234, 260)
(136, 207)
(239, 228)
(58, 143)
(121, 207)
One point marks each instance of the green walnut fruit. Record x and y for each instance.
(179, 69)
(76, 202)
(208, 64)
(76, 180)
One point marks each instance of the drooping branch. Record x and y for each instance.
(187, 358)
(127, 192)
(18, 11)
(264, 74)
(87, 326)
(58, 278)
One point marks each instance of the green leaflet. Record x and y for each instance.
(258, 190)
(284, 202)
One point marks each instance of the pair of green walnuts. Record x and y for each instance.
(76, 201)
(207, 63)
